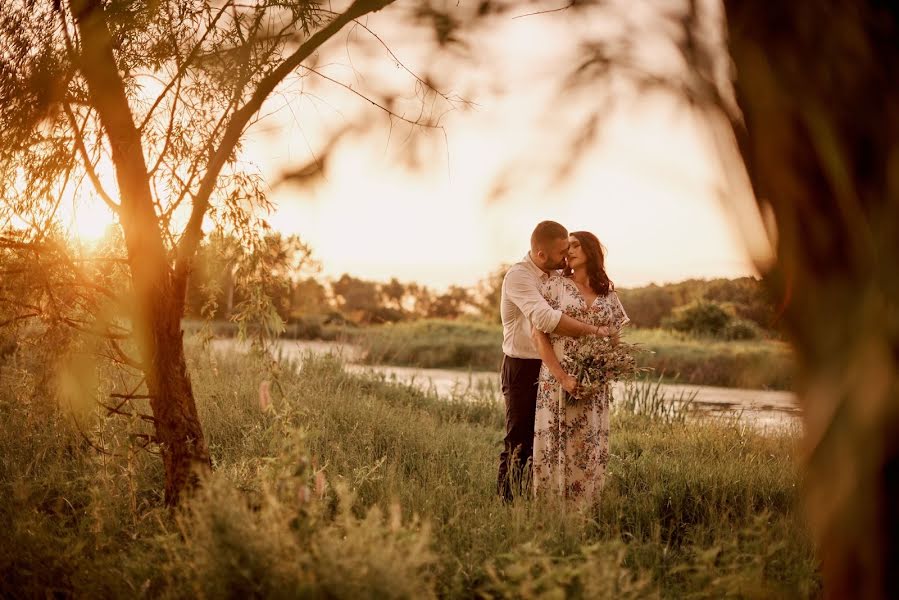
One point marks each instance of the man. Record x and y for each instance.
(523, 306)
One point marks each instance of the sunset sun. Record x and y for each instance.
(90, 220)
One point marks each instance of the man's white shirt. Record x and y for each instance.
(522, 305)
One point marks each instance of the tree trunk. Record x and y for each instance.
(158, 294)
(178, 431)
(817, 87)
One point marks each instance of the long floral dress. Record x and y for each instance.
(571, 442)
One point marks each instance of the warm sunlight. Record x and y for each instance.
(438, 299)
(89, 220)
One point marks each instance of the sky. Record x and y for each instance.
(650, 186)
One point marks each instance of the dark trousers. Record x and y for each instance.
(519, 385)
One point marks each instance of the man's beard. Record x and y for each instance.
(560, 265)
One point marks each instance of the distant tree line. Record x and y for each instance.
(227, 276)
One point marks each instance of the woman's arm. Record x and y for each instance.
(549, 358)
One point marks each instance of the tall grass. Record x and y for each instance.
(355, 486)
(755, 364)
(434, 343)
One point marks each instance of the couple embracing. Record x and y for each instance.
(558, 293)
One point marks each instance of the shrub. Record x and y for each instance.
(700, 318)
(741, 329)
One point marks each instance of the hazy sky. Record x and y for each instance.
(650, 188)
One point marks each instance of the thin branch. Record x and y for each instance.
(546, 12)
(88, 166)
(114, 410)
(148, 439)
(409, 71)
(85, 327)
(416, 122)
(182, 69)
(124, 358)
(89, 441)
(168, 131)
(133, 392)
(132, 396)
(19, 318)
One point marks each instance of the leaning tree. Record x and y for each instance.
(145, 105)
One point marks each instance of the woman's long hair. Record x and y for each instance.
(596, 263)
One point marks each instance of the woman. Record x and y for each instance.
(571, 440)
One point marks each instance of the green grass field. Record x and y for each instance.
(352, 486)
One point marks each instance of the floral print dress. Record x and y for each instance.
(571, 442)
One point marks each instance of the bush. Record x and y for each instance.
(700, 318)
(741, 329)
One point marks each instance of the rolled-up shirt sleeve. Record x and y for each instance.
(524, 290)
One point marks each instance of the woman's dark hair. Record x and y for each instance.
(596, 263)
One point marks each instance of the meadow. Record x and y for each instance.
(352, 485)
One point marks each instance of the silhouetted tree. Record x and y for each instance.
(452, 304)
(358, 299)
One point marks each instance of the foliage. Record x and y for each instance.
(745, 297)
(699, 318)
(489, 294)
(228, 276)
(646, 306)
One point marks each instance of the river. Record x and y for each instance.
(762, 409)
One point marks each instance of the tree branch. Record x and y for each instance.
(124, 358)
(168, 131)
(116, 410)
(191, 239)
(19, 318)
(84, 327)
(416, 122)
(182, 68)
(88, 166)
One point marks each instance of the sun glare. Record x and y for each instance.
(90, 221)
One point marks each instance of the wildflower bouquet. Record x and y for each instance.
(596, 362)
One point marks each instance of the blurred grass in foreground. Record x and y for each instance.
(355, 486)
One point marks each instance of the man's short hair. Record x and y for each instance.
(547, 232)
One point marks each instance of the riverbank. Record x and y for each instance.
(762, 409)
(440, 344)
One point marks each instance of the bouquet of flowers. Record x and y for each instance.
(597, 362)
